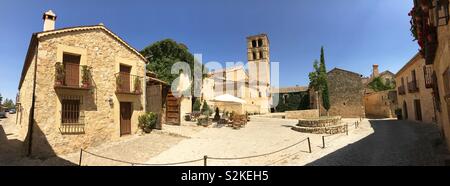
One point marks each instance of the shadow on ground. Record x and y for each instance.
(13, 152)
(393, 143)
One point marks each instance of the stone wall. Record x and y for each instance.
(101, 119)
(300, 114)
(346, 94)
(322, 130)
(25, 100)
(441, 63)
(229, 107)
(379, 105)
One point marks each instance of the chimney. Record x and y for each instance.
(375, 72)
(49, 20)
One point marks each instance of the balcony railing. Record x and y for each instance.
(412, 86)
(72, 76)
(401, 90)
(428, 76)
(128, 84)
(72, 128)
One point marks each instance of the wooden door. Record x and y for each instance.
(173, 109)
(72, 70)
(418, 110)
(125, 118)
(405, 110)
(125, 85)
(154, 98)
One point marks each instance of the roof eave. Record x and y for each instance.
(28, 58)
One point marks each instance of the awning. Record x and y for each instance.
(229, 99)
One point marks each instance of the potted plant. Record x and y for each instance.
(118, 83)
(147, 121)
(137, 85)
(86, 76)
(398, 112)
(59, 74)
(203, 120)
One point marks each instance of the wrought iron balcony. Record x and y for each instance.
(428, 76)
(128, 84)
(412, 86)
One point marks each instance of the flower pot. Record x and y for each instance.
(429, 38)
(147, 130)
(58, 83)
(85, 85)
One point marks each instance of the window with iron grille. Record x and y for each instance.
(70, 111)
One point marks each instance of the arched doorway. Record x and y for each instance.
(405, 110)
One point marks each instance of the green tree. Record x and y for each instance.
(1, 99)
(318, 80)
(163, 54)
(9, 103)
(377, 84)
(206, 110)
(197, 105)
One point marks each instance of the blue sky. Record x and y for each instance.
(355, 33)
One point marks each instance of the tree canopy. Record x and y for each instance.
(163, 54)
(377, 84)
(9, 103)
(318, 80)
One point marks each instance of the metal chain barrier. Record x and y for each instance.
(265, 154)
(134, 163)
(205, 158)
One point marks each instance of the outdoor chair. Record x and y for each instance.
(223, 120)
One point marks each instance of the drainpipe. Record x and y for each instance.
(33, 100)
(145, 88)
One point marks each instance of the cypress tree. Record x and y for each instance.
(324, 81)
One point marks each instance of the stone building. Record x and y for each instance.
(346, 94)
(251, 84)
(414, 94)
(79, 87)
(386, 77)
(233, 81)
(258, 55)
(431, 20)
(290, 98)
(380, 104)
